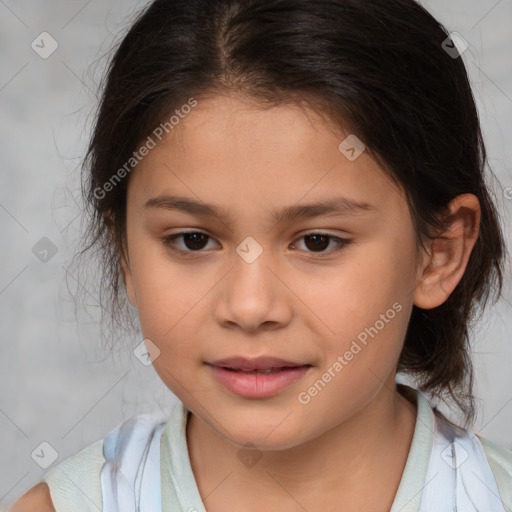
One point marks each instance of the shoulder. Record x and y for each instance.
(75, 481)
(500, 460)
(499, 457)
(38, 498)
(75, 484)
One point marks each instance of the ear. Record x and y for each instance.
(124, 259)
(444, 266)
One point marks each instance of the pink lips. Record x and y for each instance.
(247, 377)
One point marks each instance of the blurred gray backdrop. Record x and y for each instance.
(57, 383)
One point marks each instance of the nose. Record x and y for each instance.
(253, 295)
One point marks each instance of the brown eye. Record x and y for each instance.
(194, 241)
(319, 242)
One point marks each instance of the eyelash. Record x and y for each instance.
(168, 242)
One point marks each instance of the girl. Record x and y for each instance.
(293, 194)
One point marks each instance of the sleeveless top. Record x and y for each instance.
(145, 467)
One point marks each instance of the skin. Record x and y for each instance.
(350, 442)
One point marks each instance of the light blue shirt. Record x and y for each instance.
(144, 465)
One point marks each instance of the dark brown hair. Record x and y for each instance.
(381, 67)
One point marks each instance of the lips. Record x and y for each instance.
(264, 364)
(258, 378)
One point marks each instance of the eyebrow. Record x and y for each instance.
(335, 206)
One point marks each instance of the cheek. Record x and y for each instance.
(171, 298)
(163, 292)
(365, 304)
(361, 288)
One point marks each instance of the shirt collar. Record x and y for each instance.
(408, 496)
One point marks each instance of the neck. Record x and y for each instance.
(371, 446)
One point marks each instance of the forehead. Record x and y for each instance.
(231, 152)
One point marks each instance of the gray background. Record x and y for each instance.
(58, 384)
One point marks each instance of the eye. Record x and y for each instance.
(195, 241)
(317, 242)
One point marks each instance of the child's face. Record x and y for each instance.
(300, 299)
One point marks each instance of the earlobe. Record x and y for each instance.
(449, 254)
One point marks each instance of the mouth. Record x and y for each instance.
(263, 364)
(260, 378)
(277, 369)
